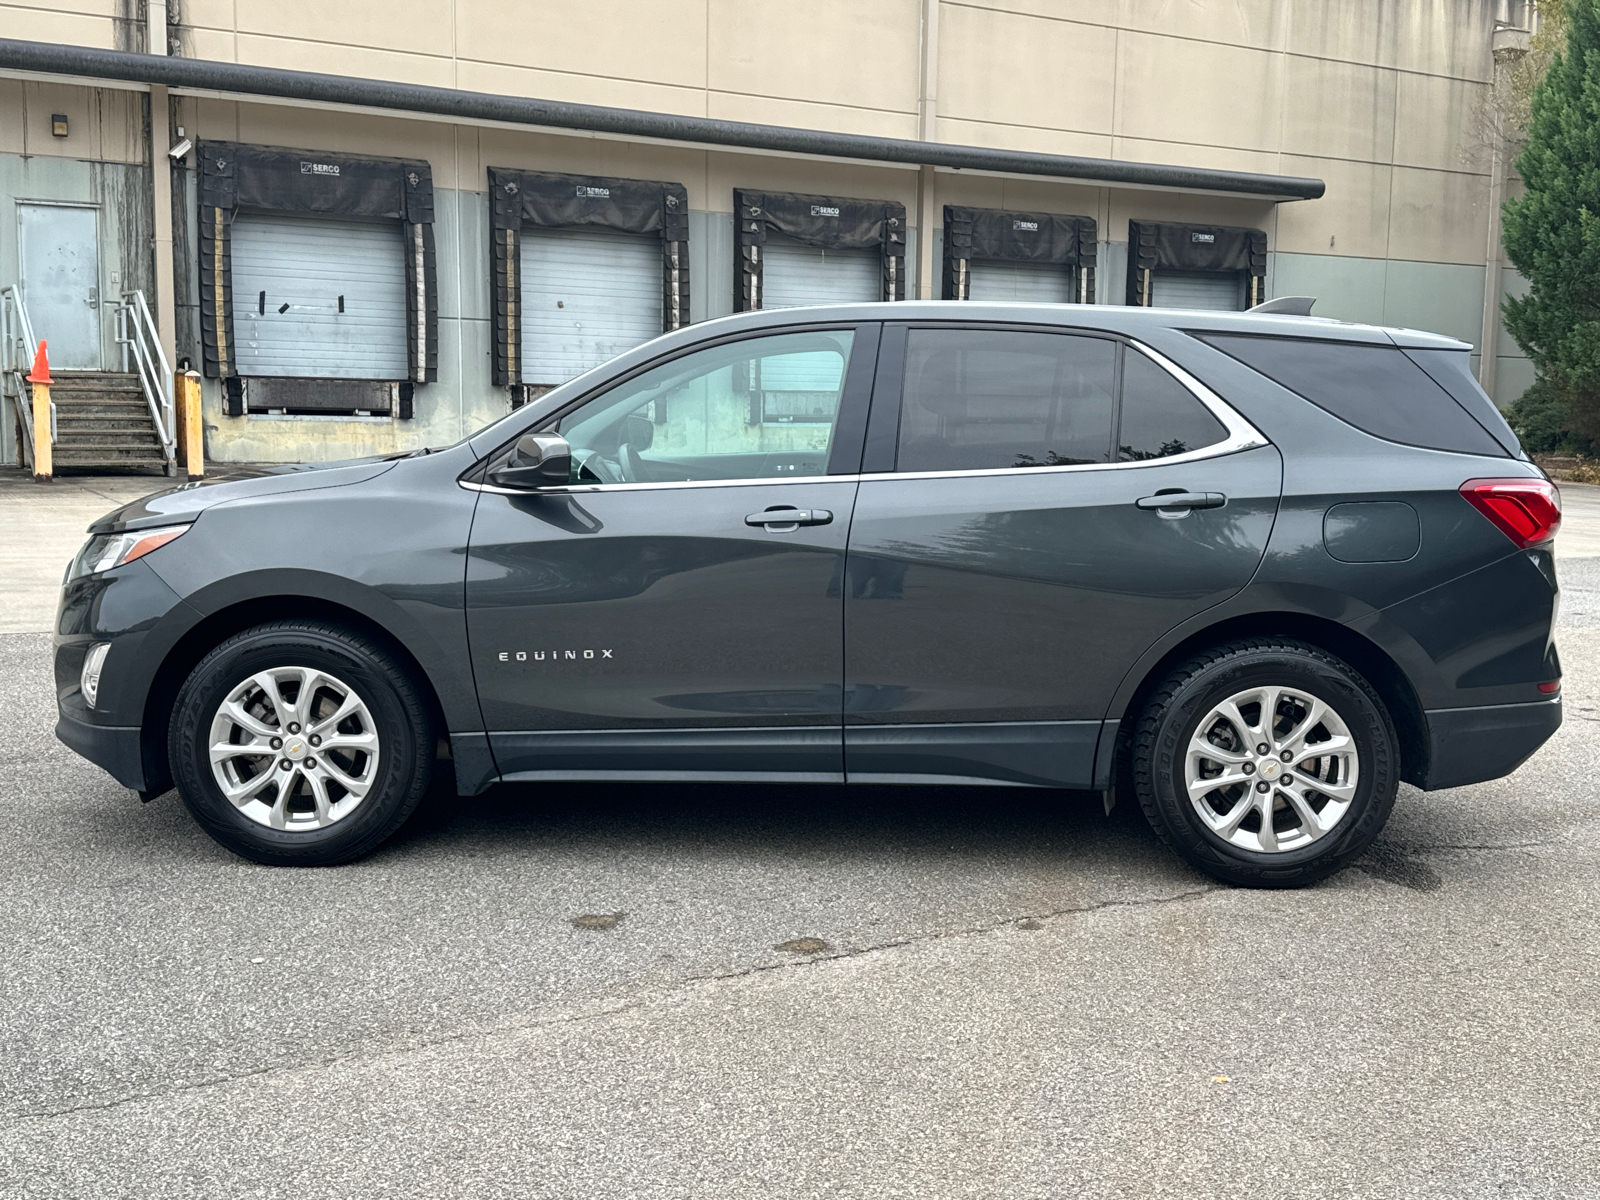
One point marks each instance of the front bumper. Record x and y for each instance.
(117, 748)
(1470, 745)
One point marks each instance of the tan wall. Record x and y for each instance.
(103, 124)
(1375, 96)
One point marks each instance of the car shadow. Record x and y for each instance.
(794, 819)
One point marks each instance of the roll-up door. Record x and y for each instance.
(1019, 282)
(317, 297)
(587, 295)
(797, 274)
(1217, 290)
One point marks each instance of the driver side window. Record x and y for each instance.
(760, 408)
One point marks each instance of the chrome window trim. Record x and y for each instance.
(1241, 435)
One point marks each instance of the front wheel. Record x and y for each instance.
(1266, 762)
(300, 744)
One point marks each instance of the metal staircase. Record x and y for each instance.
(99, 419)
(103, 420)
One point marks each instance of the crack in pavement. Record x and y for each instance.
(603, 1006)
(1425, 846)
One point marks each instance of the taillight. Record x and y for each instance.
(1528, 511)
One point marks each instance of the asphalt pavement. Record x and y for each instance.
(723, 991)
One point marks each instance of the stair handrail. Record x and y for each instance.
(136, 334)
(18, 345)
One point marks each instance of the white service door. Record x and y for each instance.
(796, 274)
(1020, 283)
(319, 298)
(60, 275)
(1219, 291)
(587, 295)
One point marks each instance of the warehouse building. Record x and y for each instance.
(363, 243)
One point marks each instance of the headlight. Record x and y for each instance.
(89, 680)
(107, 550)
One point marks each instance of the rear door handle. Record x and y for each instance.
(790, 516)
(1169, 501)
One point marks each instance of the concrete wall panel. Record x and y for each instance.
(1337, 109)
(1440, 37)
(60, 24)
(1436, 127)
(1353, 218)
(662, 41)
(408, 26)
(219, 45)
(846, 52)
(1346, 288)
(13, 108)
(1513, 376)
(77, 104)
(1087, 12)
(1261, 24)
(1438, 216)
(1014, 70)
(1437, 297)
(300, 54)
(1174, 90)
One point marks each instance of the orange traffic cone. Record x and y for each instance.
(41, 366)
(43, 451)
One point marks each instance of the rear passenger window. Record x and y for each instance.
(977, 399)
(1160, 417)
(1375, 388)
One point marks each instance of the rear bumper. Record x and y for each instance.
(117, 748)
(1470, 745)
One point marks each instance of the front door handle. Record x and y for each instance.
(790, 516)
(1171, 501)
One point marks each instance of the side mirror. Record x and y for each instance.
(538, 460)
(641, 432)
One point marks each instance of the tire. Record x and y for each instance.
(368, 769)
(1198, 773)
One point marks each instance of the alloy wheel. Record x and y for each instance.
(294, 748)
(1272, 769)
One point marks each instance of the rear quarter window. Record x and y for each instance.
(1375, 388)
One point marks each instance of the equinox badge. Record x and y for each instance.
(540, 655)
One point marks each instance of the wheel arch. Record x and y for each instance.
(216, 627)
(1366, 656)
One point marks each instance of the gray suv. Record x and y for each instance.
(1252, 570)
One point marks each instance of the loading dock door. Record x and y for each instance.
(1019, 282)
(1221, 291)
(588, 294)
(319, 298)
(797, 274)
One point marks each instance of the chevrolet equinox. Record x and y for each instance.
(1252, 570)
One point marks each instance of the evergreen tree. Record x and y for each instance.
(1552, 232)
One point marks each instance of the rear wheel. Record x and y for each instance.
(1268, 763)
(300, 744)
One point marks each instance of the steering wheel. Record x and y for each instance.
(630, 464)
(604, 471)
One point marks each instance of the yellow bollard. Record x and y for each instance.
(190, 434)
(39, 378)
